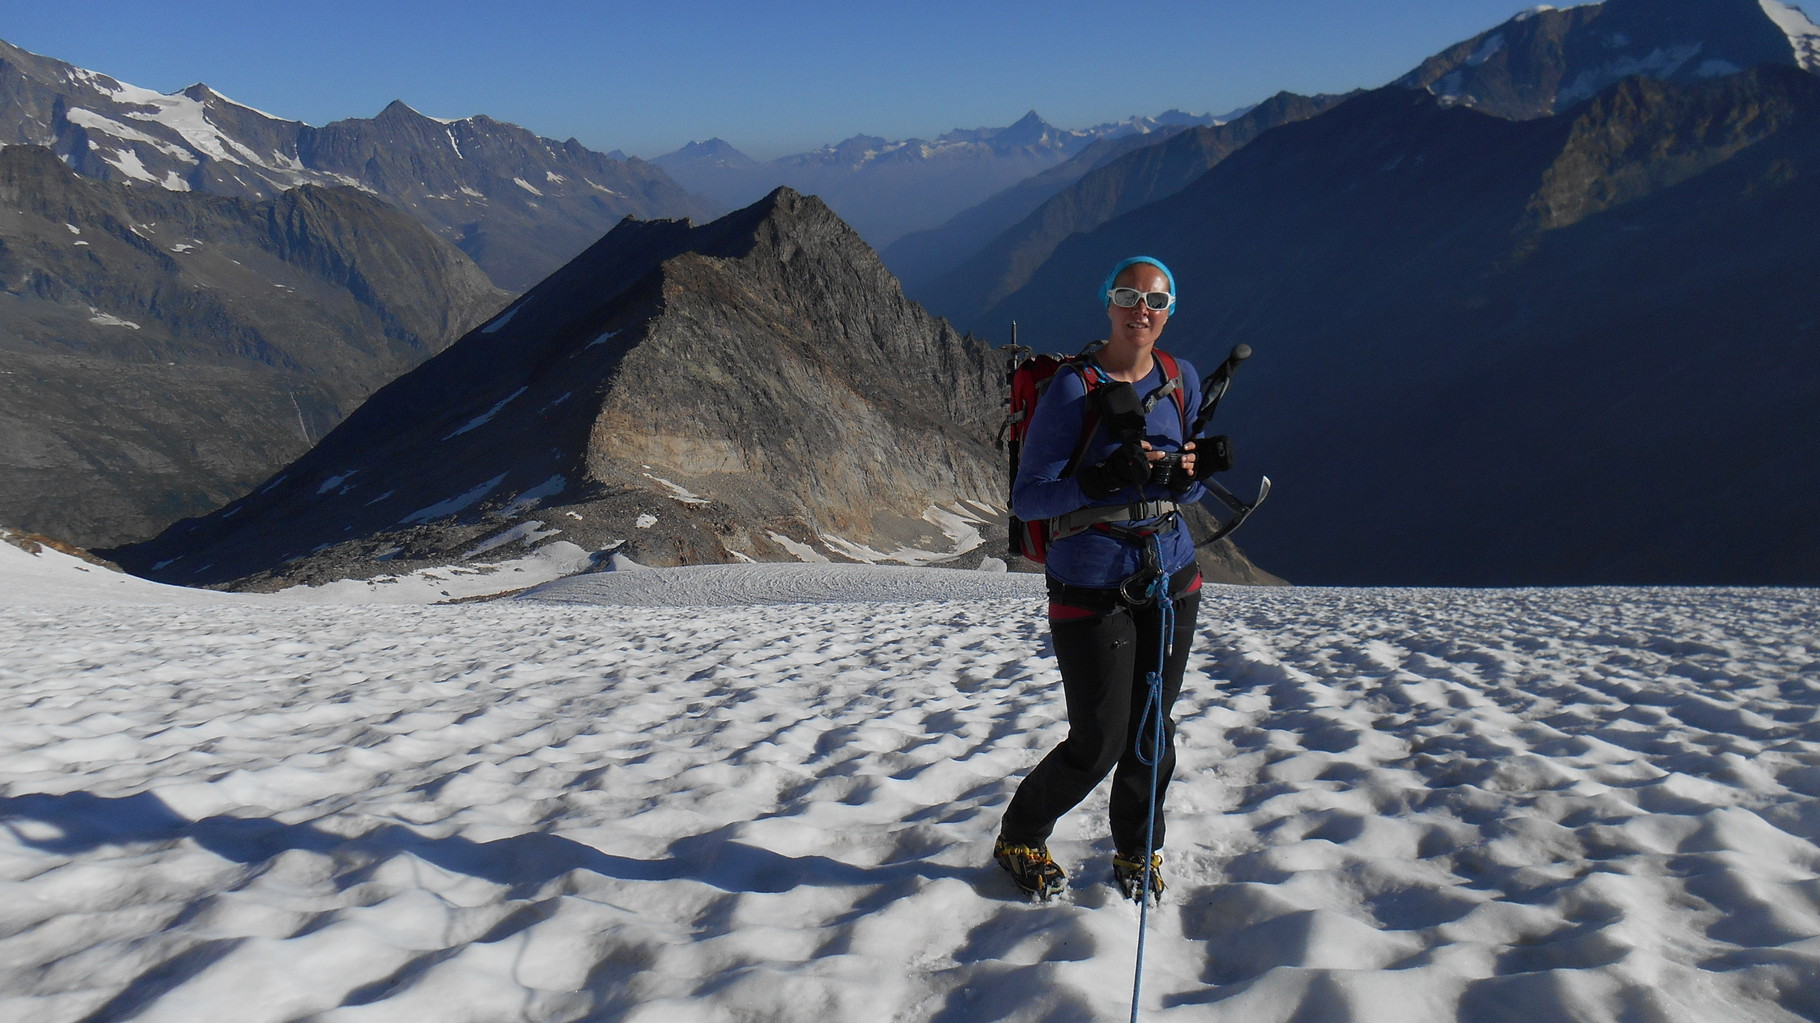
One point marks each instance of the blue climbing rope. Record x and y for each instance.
(1150, 726)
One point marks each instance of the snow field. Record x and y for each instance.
(1391, 805)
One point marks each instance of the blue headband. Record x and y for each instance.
(1106, 289)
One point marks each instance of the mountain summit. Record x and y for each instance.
(754, 388)
(1546, 60)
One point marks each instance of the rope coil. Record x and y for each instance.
(1150, 725)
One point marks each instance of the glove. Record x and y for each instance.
(1211, 455)
(1127, 467)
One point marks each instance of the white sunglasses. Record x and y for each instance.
(1125, 298)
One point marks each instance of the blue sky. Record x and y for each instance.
(771, 78)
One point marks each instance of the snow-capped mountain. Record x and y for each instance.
(1545, 59)
(519, 204)
(887, 188)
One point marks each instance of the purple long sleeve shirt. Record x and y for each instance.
(1094, 557)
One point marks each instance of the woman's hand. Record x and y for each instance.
(1187, 456)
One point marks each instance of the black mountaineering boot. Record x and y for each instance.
(1031, 869)
(1128, 872)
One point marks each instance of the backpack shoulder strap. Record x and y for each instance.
(1172, 380)
(1092, 376)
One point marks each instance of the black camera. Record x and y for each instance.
(1167, 471)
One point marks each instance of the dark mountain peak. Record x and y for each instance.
(786, 206)
(1174, 117)
(715, 152)
(400, 111)
(857, 142)
(1028, 130)
(712, 147)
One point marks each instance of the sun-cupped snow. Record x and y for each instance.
(1803, 35)
(770, 792)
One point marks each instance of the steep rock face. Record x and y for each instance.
(520, 205)
(1576, 349)
(971, 282)
(163, 350)
(1543, 61)
(755, 387)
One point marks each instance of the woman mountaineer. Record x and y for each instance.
(1106, 462)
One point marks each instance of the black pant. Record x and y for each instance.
(1106, 659)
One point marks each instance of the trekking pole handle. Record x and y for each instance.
(1217, 383)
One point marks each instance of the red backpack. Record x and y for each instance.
(1029, 376)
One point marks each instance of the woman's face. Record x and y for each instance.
(1139, 325)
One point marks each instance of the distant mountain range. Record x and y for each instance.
(162, 350)
(519, 205)
(887, 188)
(990, 250)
